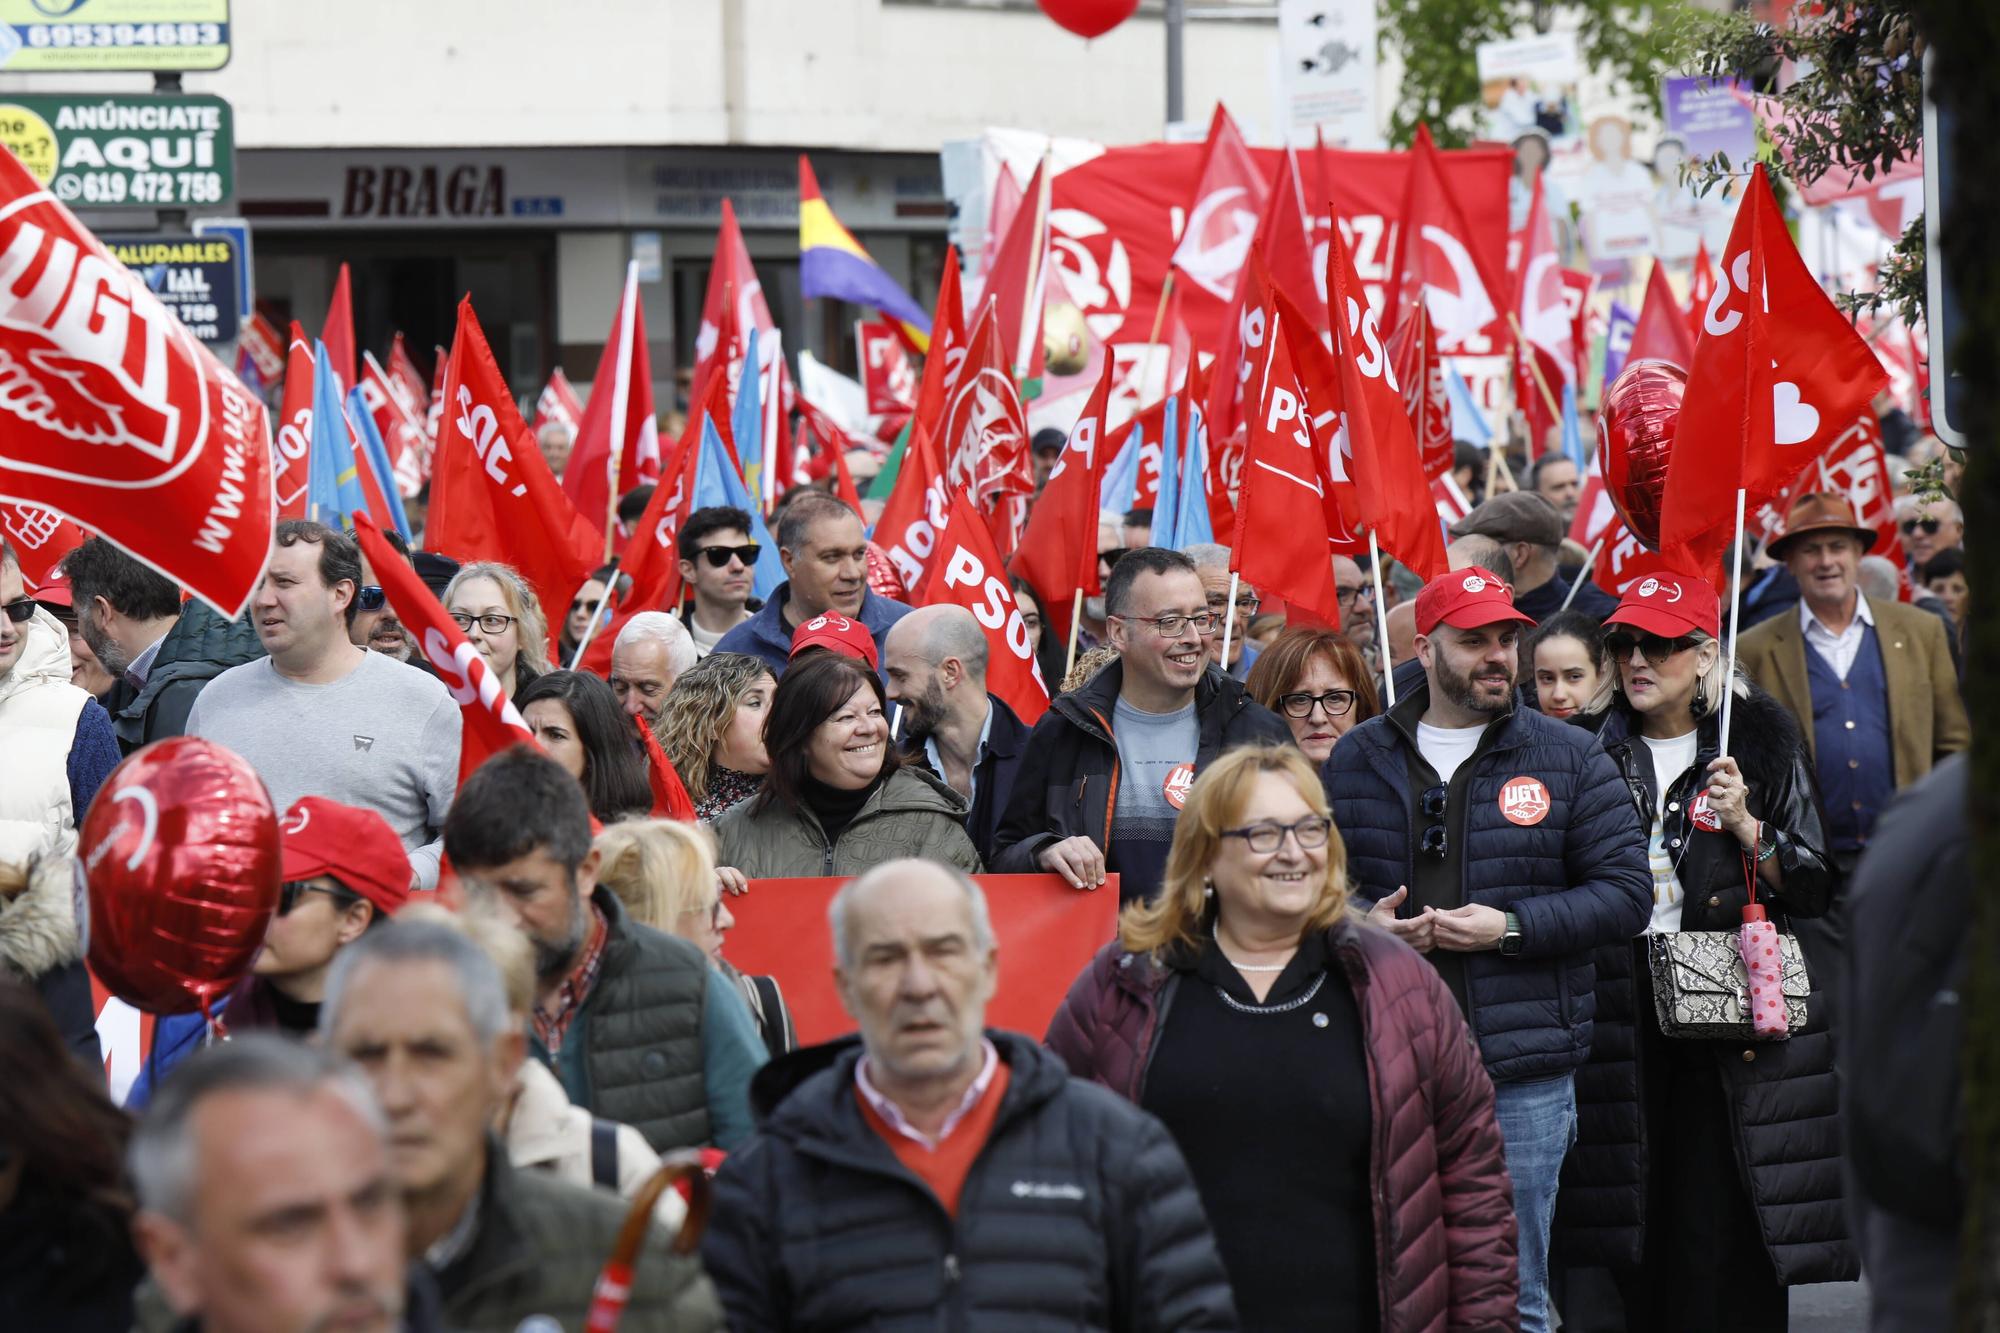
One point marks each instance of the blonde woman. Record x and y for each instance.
(664, 873)
(712, 729)
(1363, 1186)
(541, 1128)
(500, 614)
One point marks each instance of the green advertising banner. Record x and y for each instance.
(117, 150)
(87, 36)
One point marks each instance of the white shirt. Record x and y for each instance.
(1671, 758)
(1836, 650)
(1445, 748)
(892, 1115)
(978, 753)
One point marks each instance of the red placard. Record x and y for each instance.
(1046, 930)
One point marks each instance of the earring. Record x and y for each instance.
(1207, 887)
(1701, 698)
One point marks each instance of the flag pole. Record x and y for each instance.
(1523, 349)
(1589, 569)
(621, 399)
(1735, 614)
(1153, 338)
(1075, 626)
(1382, 620)
(590, 630)
(1228, 620)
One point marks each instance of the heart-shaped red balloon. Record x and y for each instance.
(1089, 18)
(1635, 436)
(181, 857)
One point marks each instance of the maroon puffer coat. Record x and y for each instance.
(1444, 1208)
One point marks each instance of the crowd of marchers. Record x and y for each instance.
(1383, 1039)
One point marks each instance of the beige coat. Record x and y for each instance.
(1926, 716)
(545, 1132)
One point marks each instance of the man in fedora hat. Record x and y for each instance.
(1870, 681)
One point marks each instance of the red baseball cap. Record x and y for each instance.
(1669, 605)
(355, 846)
(841, 633)
(53, 590)
(1467, 598)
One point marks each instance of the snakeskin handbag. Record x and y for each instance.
(1701, 988)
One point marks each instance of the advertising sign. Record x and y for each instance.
(85, 36)
(123, 150)
(193, 276)
(1326, 51)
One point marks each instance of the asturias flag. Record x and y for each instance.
(833, 264)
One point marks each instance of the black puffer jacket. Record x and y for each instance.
(1576, 878)
(1079, 1213)
(1784, 1099)
(200, 647)
(1068, 780)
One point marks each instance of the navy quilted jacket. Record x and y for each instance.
(1576, 878)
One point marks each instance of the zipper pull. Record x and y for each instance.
(951, 1268)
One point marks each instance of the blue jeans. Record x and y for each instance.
(1537, 1127)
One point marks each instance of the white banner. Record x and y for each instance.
(1326, 55)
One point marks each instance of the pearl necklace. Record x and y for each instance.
(1245, 967)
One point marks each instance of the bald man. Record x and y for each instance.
(935, 662)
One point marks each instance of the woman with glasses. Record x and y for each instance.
(664, 872)
(1314, 1070)
(712, 729)
(1733, 1145)
(1566, 665)
(576, 720)
(501, 615)
(1316, 681)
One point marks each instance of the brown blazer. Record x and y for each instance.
(1926, 716)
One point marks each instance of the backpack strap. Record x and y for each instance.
(604, 1153)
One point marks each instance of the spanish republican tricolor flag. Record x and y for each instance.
(833, 264)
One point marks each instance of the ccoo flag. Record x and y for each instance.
(832, 263)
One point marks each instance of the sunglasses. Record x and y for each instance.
(1930, 526)
(369, 597)
(1435, 843)
(20, 612)
(1109, 559)
(293, 890)
(1656, 649)
(718, 557)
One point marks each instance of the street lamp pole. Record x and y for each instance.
(1176, 22)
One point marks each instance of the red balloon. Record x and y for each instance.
(180, 856)
(1089, 18)
(1635, 434)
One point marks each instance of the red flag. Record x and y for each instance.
(1774, 381)
(947, 347)
(732, 305)
(114, 416)
(492, 494)
(558, 404)
(886, 374)
(40, 538)
(1577, 287)
(1544, 342)
(1413, 351)
(403, 370)
(908, 529)
(985, 428)
(969, 572)
(1662, 331)
(265, 345)
(620, 408)
(1058, 551)
(830, 458)
(1701, 288)
(1284, 496)
(1007, 197)
(401, 430)
(434, 413)
(1222, 213)
(670, 794)
(490, 721)
(1015, 275)
(1441, 257)
(291, 446)
(1380, 481)
(338, 330)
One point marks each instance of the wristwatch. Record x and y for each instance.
(1765, 850)
(1510, 942)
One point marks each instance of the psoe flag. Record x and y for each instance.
(833, 264)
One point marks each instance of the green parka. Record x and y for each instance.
(912, 814)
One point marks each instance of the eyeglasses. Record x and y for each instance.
(20, 612)
(1656, 649)
(1348, 593)
(1267, 835)
(1435, 842)
(718, 557)
(1170, 625)
(292, 890)
(1337, 703)
(492, 622)
(713, 912)
(1929, 525)
(370, 597)
(1246, 602)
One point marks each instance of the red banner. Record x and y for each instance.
(112, 414)
(1047, 932)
